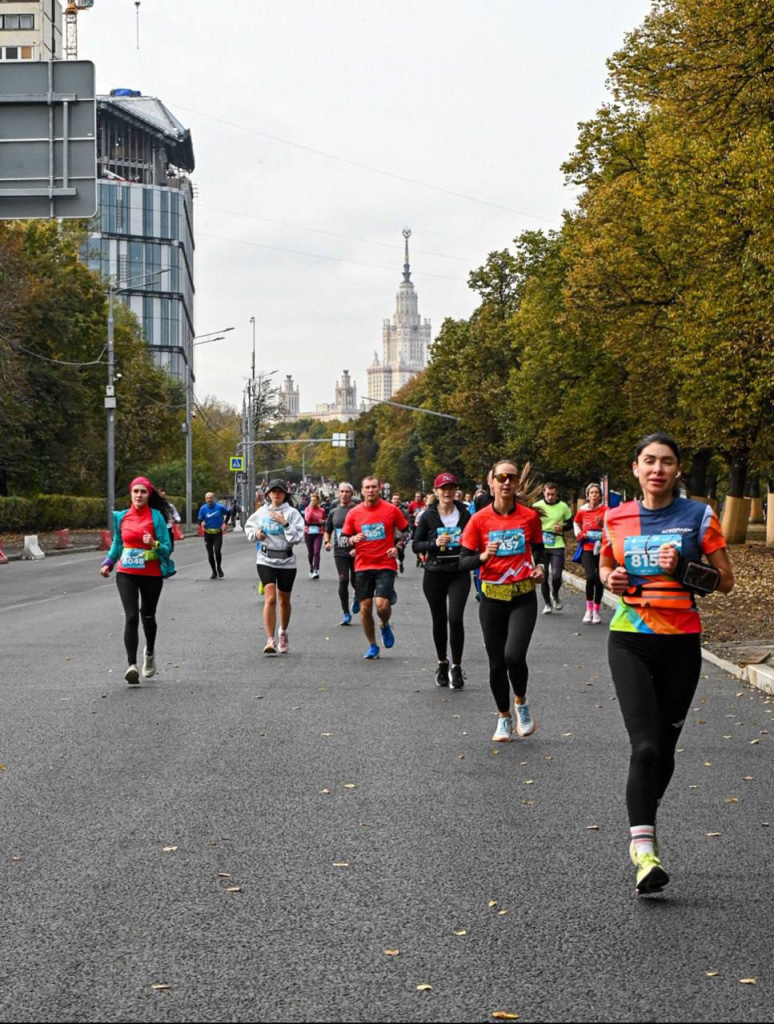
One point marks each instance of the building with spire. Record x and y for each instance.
(289, 399)
(405, 341)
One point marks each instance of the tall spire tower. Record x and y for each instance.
(405, 340)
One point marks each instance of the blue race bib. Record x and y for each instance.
(374, 531)
(269, 526)
(512, 542)
(641, 553)
(133, 558)
(313, 529)
(592, 536)
(454, 532)
(550, 538)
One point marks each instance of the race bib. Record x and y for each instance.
(374, 531)
(641, 553)
(338, 531)
(550, 538)
(592, 536)
(512, 542)
(455, 532)
(313, 529)
(269, 526)
(133, 558)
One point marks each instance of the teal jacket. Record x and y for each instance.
(163, 545)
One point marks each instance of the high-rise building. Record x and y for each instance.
(30, 30)
(405, 341)
(142, 236)
(344, 408)
(289, 399)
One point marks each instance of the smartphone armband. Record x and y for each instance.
(701, 578)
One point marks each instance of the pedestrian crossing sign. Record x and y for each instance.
(237, 463)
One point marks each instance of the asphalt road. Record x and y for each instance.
(128, 813)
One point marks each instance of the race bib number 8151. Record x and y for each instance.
(641, 553)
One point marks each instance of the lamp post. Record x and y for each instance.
(199, 339)
(110, 389)
(250, 503)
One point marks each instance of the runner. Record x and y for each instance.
(556, 517)
(172, 518)
(398, 503)
(437, 537)
(343, 555)
(649, 560)
(141, 548)
(414, 509)
(214, 517)
(371, 529)
(588, 521)
(505, 539)
(276, 528)
(314, 519)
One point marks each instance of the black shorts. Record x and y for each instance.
(283, 579)
(374, 583)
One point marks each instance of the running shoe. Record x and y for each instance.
(651, 876)
(400, 568)
(547, 609)
(504, 730)
(214, 576)
(587, 616)
(388, 637)
(442, 674)
(457, 679)
(260, 587)
(148, 664)
(355, 606)
(220, 574)
(346, 619)
(311, 574)
(270, 647)
(525, 723)
(132, 676)
(596, 618)
(558, 604)
(284, 643)
(315, 575)
(633, 849)
(372, 652)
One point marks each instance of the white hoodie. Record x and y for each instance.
(276, 537)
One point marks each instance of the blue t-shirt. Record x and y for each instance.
(213, 518)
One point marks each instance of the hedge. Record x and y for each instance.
(59, 511)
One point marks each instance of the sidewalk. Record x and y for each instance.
(81, 540)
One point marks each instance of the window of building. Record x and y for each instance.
(14, 22)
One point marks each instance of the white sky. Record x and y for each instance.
(480, 97)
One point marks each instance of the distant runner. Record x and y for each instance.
(555, 518)
(343, 555)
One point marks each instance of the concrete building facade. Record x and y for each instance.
(405, 341)
(31, 30)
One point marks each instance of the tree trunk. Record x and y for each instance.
(756, 505)
(696, 479)
(736, 508)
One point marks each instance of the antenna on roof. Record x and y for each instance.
(137, 5)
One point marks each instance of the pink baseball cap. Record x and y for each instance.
(444, 479)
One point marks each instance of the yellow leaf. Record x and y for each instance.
(708, 764)
(504, 1015)
(529, 782)
(731, 800)
(460, 757)
(495, 751)
(424, 988)
(169, 849)
(566, 734)
(749, 778)
(223, 874)
(748, 981)
(502, 913)
(392, 952)
(460, 931)
(493, 903)
(326, 733)
(341, 863)
(366, 824)
(753, 742)
(349, 785)
(712, 835)
(325, 791)
(233, 888)
(693, 787)
(592, 828)
(711, 974)
(160, 988)
(2, 767)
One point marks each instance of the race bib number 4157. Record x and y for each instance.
(641, 553)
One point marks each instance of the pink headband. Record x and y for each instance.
(141, 480)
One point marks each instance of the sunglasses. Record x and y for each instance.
(502, 477)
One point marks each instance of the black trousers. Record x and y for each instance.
(345, 567)
(553, 557)
(655, 679)
(507, 627)
(214, 543)
(447, 594)
(590, 563)
(131, 588)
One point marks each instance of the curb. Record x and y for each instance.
(759, 676)
(56, 551)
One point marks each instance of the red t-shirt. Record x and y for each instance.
(133, 526)
(516, 532)
(378, 523)
(314, 517)
(591, 520)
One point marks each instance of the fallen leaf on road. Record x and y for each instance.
(2, 767)
(712, 974)
(693, 787)
(495, 751)
(424, 988)
(566, 734)
(19, 858)
(325, 791)
(326, 733)
(749, 778)
(350, 785)
(713, 835)
(592, 828)
(529, 782)
(259, 696)
(493, 903)
(392, 952)
(460, 931)
(169, 849)
(460, 757)
(504, 1015)
(754, 741)
(747, 981)
(223, 874)
(731, 800)
(160, 988)
(341, 863)
(366, 824)
(502, 912)
(727, 737)
(233, 888)
(547, 757)
(225, 839)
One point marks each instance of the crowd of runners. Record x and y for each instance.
(655, 553)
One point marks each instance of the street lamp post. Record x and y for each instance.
(206, 339)
(250, 504)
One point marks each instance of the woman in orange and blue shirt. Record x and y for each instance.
(654, 646)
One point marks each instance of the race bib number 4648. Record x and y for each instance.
(641, 553)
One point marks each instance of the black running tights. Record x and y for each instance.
(448, 623)
(507, 627)
(590, 563)
(131, 588)
(214, 544)
(655, 678)
(553, 557)
(345, 567)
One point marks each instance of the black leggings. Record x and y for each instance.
(553, 557)
(655, 678)
(345, 567)
(130, 588)
(507, 627)
(590, 563)
(214, 543)
(447, 624)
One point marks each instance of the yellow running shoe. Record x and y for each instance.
(651, 876)
(260, 587)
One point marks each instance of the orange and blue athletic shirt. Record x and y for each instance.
(633, 536)
(517, 533)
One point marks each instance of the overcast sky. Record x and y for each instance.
(285, 97)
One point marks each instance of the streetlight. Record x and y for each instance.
(190, 378)
(110, 390)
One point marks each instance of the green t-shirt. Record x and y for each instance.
(550, 515)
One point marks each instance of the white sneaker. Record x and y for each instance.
(558, 604)
(587, 616)
(525, 723)
(504, 730)
(596, 618)
(311, 574)
(284, 643)
(547, 609)
(132, 676)
(148, 664)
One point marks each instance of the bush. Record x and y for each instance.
(61, 511)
